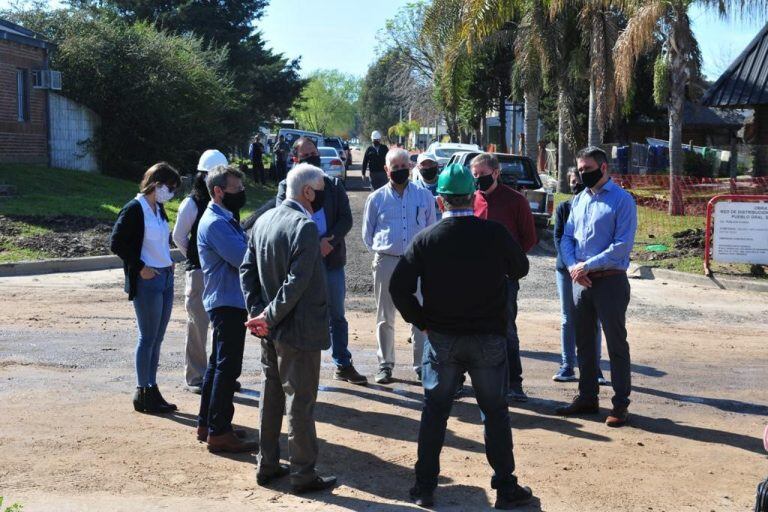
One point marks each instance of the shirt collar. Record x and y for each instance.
(394, 192)
(144, 203)
(299, 206)
(220, 210)
(458, 213)
(607, 186)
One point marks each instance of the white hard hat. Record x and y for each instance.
(375, 135)
(423, 157)
(210, 159)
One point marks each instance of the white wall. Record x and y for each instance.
(73, 127)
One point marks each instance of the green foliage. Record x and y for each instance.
(403, 129)
(327, 103)
(16, 507)
(696, 164)
(378, 106)
(661, 80)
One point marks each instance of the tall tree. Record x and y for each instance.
(378, 106)
(327, 103)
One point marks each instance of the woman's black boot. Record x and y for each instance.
(155, 391)
(140, 399)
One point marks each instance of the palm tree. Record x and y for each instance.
(679, 64)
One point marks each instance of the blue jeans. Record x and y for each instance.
(337, 292)
(446, 358)
(567, 323)
(513, 341)
(153, 303)
(224, 367)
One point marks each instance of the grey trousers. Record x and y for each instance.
(607, 301)
(383, 267)
(196, 361)
(289, 383)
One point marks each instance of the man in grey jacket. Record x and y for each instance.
(284, 283)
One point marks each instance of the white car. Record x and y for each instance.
(331, 163)
(445, 150)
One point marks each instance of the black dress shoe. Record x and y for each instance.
(579, 406)
(264, 478)
(318, 484)
(422, 497)
(512, 498)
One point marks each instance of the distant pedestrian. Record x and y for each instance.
(221, 244)
(334, 221)
(496, 201)
(281, 151)
(141, 239)
(191, 211)
(569, 363)
(462, 263)
(283, 278)
(393, 215)
(256, 154)
(595, 247)
(374, 161)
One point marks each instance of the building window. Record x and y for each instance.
(22, 95)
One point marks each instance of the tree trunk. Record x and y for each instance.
(594, 137)
(531, 124)
(564, 156)
(502, 125)
(676, 99)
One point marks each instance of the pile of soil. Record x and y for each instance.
(69, 236)
(689, 242)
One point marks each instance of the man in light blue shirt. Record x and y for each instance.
(221, 244)
(595, 247)
(393, 215)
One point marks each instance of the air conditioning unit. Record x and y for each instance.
(46, 79)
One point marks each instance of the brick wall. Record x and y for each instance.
(23, 142)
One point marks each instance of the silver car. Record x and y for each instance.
(331, 163)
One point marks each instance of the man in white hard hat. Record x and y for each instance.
(185, 237)
(374, 161)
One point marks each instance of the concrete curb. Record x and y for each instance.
(86, 264)
(720, 283)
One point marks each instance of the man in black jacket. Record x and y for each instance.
(374, 161)
(334, 220)
(463, 263)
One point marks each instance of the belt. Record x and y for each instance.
(605, 273)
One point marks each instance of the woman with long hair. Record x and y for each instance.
(141, 239)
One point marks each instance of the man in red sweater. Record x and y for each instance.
(505, 205)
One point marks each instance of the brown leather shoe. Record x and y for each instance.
(617, 418)
(579, 406)
(202, 433)
(230, 443)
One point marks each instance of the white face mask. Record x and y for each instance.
(162, 194)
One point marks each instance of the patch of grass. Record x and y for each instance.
(44, 191)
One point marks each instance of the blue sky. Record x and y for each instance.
(341, 34)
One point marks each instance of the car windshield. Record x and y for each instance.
(514, 168)
(327, 152)
(333, 143)
(446, 152)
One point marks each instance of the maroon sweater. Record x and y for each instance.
(510, 208)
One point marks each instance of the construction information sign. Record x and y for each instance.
(741, 233)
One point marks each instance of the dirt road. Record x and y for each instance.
(69, 439)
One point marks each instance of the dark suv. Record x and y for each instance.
(519, 173)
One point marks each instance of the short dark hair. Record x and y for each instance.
(161, 173)
(455, 201)
(595, 153)
(217, 177)
(299, 142)
(488, 159)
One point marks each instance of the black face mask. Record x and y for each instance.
(429, 173)
(483, 183)
(590, 178)
(312, 160)
(376, 143)
(399, 176)
(318, 201)
(234, 202)
(577, 188)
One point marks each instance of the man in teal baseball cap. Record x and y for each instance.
(463, 263)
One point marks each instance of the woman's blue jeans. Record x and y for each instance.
(567, 325)
(153, 303)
